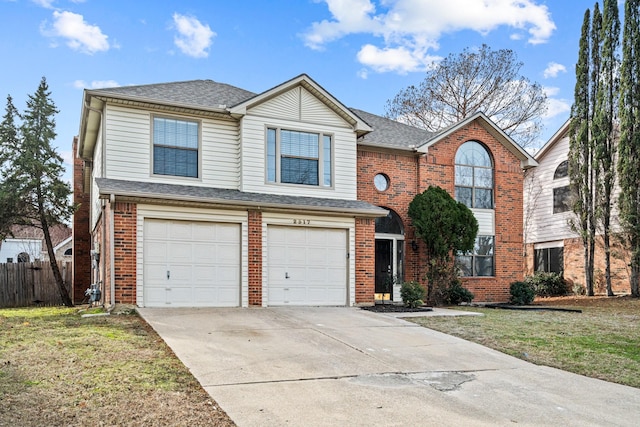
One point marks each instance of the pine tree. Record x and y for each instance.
(629, 143)
(35, 175)
(581, 171)
(604, 126)
(9, 137)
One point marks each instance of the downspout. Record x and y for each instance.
(112, 280)
(103, 251)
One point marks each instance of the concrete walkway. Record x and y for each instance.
(349, 367)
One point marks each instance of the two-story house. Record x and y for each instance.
(551, 244)
(199, 193)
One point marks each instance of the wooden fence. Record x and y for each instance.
(24, 284)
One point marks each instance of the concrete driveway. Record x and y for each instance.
(349, 367)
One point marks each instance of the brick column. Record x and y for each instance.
(124, 248)
(365, 260)
(255, 257)
(81, 233)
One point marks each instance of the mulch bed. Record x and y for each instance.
(395, 308)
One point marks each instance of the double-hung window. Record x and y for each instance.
(175, 147)
(295, 157)
(479, 262)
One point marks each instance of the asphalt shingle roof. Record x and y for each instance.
(390, 133)
(198, 93)
(210, 94)
(233, 197)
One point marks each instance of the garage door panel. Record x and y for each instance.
(203, 259)
(181, 230)
(314, 259)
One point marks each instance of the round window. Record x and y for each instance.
(381, 181)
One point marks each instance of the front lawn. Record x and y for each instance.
(601, 342)
(59, 369)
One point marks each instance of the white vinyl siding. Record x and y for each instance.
(130, 149)
(486, 221)
(96, 172)
(540, 223)
(297, 110)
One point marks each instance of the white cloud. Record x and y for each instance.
(555, 106)
(193, 38)
(410, 28)
(400, 59)
(95, 84)
(553, 68)
(80, 35)
(47, 4)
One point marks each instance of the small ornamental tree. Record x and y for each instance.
(446, 227)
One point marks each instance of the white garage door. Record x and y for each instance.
(306, 266)
(191, 264)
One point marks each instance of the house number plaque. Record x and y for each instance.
(302, 221)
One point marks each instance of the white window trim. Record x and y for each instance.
(278, 171)
(152, 146)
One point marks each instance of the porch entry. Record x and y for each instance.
(389, 265)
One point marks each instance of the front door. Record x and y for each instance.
(384, 267)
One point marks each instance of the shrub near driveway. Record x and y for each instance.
(57, 368)
(601, 342)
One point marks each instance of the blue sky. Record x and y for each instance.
(361, 51)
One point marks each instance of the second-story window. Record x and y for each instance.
(474, 176)
(295, 157)
(175, 147)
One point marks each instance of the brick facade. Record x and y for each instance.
(81, 234)
(412, 173)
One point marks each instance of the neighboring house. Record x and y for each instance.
(199, 193)
(26, 244)
(550, 243)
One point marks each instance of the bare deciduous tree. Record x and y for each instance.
(471, 81)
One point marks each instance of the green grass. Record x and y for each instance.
(601, 342)
(58, 368)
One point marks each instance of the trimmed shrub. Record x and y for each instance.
(522, 293)
(413, 294)
(455, 293)
(548, 284)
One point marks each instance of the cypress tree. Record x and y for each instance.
(581, 172)
(604, 129)
(629, 143)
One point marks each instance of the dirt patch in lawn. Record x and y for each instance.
(57, 368)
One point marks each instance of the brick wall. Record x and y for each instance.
(124, 241)
(573, 258)
(81, 234)
(365, 261)
(412, 173)
(255, 257)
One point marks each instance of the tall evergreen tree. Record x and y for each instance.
(9, 137)
(35, 175)
(604, 126)
(581, 171)
(629, 143)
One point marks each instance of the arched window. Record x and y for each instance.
(474, 176)
(390, 224)
(23, 257)
(562, 171)
(68, 252)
